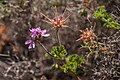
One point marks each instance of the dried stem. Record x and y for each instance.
(78, 78)
(58, 36)
(45, 48)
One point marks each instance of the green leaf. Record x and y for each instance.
(4, 9)
(73, 63)
(47, 55)
(3, 4)
(100, 12)
(58, 52)
(106, 19)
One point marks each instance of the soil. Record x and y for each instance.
(14, 31)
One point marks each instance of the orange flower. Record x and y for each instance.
(57, 21)
(87, 35)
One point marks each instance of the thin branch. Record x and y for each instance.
(45, 49)
(58, 36)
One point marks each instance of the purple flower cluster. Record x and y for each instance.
(31, 43)
(36, 33)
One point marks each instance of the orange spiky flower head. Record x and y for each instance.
(87, 35)
(58, 21)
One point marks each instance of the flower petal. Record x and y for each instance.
(38, 29)
(30, 46)
(28, 42)
(33, 35)
(44, 31)
(46, 35)
(33, 45)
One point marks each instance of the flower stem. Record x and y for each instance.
(45, 49)
(78, 78)
(75, 76)
(58, 36)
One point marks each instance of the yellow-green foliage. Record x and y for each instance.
(58, 52)
(106, 19)
(73, 63)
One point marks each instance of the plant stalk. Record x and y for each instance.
(58, 36)
(45, 48)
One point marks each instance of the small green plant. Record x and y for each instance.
(4, 9)
(68, 64)
(2, 4)
(106, 19)
(58, 52)
(73, 63)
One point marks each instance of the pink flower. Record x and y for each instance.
(38, 33)
(31, 43)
